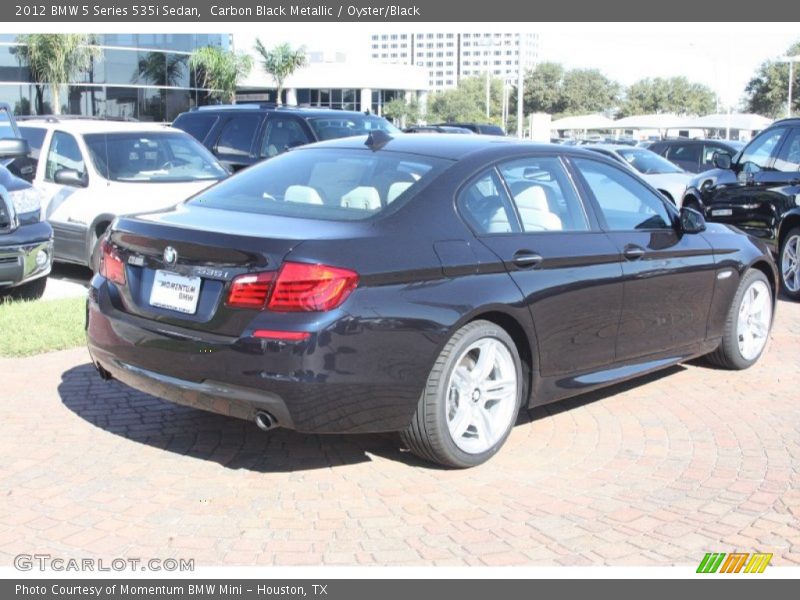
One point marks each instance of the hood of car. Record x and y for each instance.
(713, 177)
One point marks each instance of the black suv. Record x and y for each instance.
(694, 156)
(758, 190)
(26, 242)
(243, 134)
(482, 128)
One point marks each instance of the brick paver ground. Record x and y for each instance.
(652, 473)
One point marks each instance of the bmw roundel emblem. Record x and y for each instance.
(170, 255)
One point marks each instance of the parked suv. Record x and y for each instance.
(89, 171)
(758, 190)
(482, 128)
(243, 134)
(694, 156)
(26, 243)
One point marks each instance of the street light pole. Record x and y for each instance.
(791, 60)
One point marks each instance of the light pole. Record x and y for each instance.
(791, 60)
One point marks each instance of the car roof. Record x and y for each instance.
(614, 147)
(451, 146)
(88, 125)
(301, 111)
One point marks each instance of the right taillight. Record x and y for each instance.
(302, 287)
(111, 265)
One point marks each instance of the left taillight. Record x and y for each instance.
(111, 265)
(250, 290)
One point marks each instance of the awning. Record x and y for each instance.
(582, 122)
(746, 121)
(657, 121)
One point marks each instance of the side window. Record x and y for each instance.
(687, 153)
(709, 150)
(237, 135)
(544, 196)
(625, 203)
(64, 153)
(789, 156)
(282, 133)
(486, 207)
(196, 124)
(760, 149)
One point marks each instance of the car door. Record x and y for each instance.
(747, 202)
(60, 203)
(668, 275)
(528, 212)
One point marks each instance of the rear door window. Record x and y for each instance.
(236, 138)
(486, 207)
(196, 124)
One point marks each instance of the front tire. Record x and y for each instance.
(790, 264)
(747, 325)
(471, 400)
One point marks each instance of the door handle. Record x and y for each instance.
(633, 252)
(525, 259)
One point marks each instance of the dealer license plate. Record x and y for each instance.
(175, 292)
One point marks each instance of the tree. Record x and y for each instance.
(55, 59)
(467, 102)
(549, 88)
(588, 91)
(220, 71)
(768, 90)
(157, 69)
(403, 112)
(674, 95)
(280, 62)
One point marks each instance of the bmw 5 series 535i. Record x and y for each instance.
(428, 284)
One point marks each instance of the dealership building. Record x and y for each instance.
(331, 80)
(140, 76)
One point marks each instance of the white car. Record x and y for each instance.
(89, 171)
(668, 178)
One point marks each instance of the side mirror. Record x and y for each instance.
(692, 221)
(14, 148)
(721, 160)
(70, 177)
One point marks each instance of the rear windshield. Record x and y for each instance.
(648, 162)
(333, 127)
(167, 156)
(321, 183)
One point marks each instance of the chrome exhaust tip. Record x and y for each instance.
(265, 421)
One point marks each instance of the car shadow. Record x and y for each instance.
(238, 444)
(71, 273)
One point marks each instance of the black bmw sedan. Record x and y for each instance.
(428, 284)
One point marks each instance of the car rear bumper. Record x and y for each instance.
(19, 251)
(327, 384)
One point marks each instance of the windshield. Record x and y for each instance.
(324, 183)
(647, 162)
(165, 157)
(330, 128)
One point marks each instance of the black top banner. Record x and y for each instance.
(393, 11)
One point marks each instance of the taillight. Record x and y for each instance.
(302, 287)
(251, 290)
(111, 265)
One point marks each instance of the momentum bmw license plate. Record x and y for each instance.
(175, 292)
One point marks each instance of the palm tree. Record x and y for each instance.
(280, 62)
(220, 70)
(56, 59)
(157, 69)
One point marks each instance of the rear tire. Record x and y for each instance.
(468, 407)
(747, 325)
(789, 267)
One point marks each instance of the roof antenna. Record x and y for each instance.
(377, 139)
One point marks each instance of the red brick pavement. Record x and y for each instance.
(652, 473)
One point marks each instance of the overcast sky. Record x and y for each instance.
(721, 55)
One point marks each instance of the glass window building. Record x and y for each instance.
(140, 76)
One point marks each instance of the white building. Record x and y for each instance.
(330, 80)
(450, 56)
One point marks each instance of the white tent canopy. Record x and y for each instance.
(746, 121)
(656, 121)
(583, 122)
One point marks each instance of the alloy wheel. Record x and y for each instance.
(755, 316)
(790, 264)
